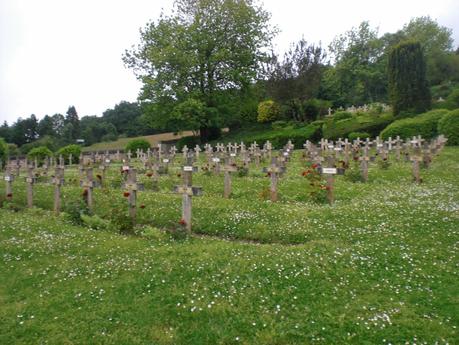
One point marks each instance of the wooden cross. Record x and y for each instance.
(274, 170)
(9, 178)
(229, 167)
(416, 158)
(30, 180)
(197, 150)
(185, 152)
(88, 184)
(188, 191)
(397, 148)
(58, 181)
(364, 164)
(330, 172)
(132, 187)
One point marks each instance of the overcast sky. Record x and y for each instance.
(56, 53)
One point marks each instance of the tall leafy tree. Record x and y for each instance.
(205, 48)
(45, 126)
(359, 75)
(408, 87)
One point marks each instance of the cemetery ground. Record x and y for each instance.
(379, 266)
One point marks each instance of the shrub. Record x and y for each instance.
(453, 99)
(190, 142)
(341, 115)
(137, 144)
(354, 135)
(39, 153)
(3, 152)
(66, 151)
(268, 111)
(449, 126)
(425, 125)
(277, 125)
(13, 150)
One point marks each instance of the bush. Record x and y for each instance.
(341, 115)
(277, 125)
(137, 144)
(39, 153)
(13, 150)
(354, 135)
(268, 111)
(190, 142)
(449, 126)
(3, 152)
(68, 150)
(425, 125)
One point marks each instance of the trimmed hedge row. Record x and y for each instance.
(449, 126)
(425, 125)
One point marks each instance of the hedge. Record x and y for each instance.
(425, 125)
(449, 126)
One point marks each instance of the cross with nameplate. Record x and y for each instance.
(188, 191)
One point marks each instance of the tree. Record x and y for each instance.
(437, 44)
(297, 77)
(205, 48)
(408, 87)
(72, 123)
(3, 152)
(359, 75)
(45, 126)
(126, 117)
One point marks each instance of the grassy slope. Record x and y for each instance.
(378, 267)
(122, 142)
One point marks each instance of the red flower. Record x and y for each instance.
(9, 195)
(85, 192)
(314, 166)
(126, 194)
(268, 174)
(182, 222)
(179, 175)
(149, 174)
(142, 206)
(327, 188)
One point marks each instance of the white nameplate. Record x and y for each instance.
(331, 171)
(29, 180)
(188, 168)
(107, 161)
(125, 167)
(165, 160)
(8, 178)
(216, 160)
(285, 153)
(330, 147)
(232, 154)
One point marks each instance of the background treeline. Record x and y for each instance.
(297, 87)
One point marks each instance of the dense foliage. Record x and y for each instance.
(425, 125)
(3, 152)
(268, 111)
(137, 144)
(408, 89)
(66, 151)
(449, 126)
(39, 153)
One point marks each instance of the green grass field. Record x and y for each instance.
(380, 266)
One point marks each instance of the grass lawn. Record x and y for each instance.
(380, 266)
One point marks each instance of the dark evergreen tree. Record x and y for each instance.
(73, 120)
(408, 87)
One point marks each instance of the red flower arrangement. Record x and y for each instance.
(85, 192)
(142, 206)
(149, 174)
(126, 194)
(315, 166)
(182, 222)
(9, 195)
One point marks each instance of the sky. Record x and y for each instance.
(57, 53)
